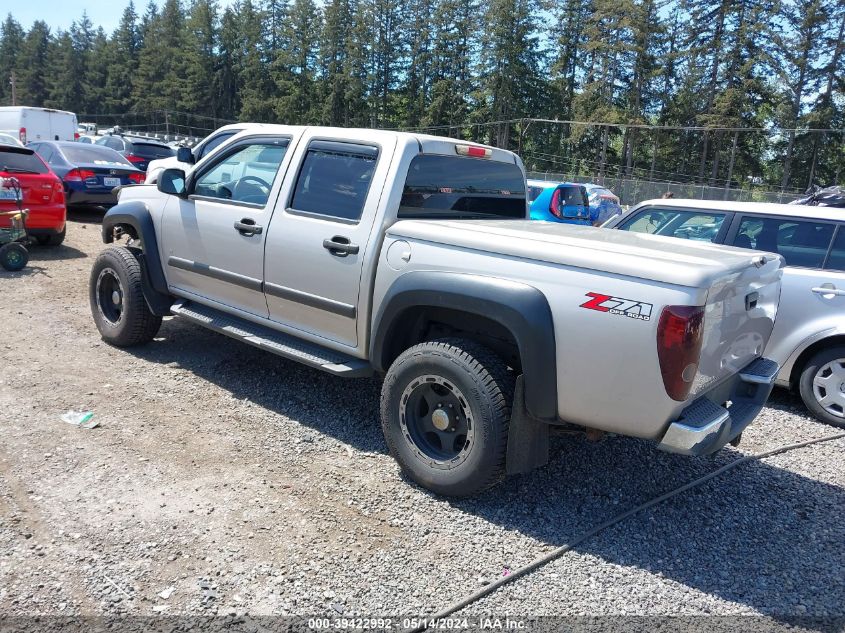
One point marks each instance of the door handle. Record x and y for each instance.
(340, 246)
(829, 291)
(247, 226)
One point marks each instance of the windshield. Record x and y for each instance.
(21, 163)
(459, 187)
(93, 154)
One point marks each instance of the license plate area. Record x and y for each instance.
(9, 194)
(111, 182)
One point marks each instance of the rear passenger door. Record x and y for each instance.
(320, 238)
(813, 278)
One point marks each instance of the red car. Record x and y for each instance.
(43, 194)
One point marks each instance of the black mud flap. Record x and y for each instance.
(528, 438)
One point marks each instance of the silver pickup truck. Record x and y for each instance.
(364, 252)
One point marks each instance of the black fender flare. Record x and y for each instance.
(522, 309)
(135, 218)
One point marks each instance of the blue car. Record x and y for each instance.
(90, 173)
(559, 202)
(604, 204)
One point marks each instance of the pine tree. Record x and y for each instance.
(417, 84)
(11, 43)
(65, 62)
(253, 66)
(295, 67)
(33, 62)
(455, 29)
(160, 78)
(202, 82)
(123, 63)
(510, 64)
(804, 21)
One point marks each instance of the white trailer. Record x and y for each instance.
(38, 124)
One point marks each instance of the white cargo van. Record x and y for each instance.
(38, 124)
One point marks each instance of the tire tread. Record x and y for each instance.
(141, 325)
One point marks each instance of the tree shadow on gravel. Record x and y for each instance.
(759, 535)
(86, 214)
(346, 409)
(39, 253)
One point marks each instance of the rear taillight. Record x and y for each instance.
(22, 135)
(134, 159)
(76, 136)
(680, 333)
(58, 193)
(137, 179)
(554, 205)
(79, 175)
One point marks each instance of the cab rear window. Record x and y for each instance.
(21, 162)
(450, 187)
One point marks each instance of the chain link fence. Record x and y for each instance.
(632, 191)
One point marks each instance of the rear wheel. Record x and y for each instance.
(13, 256)
(117, 299)
(445, 409)
(52, 239)
(822, 385)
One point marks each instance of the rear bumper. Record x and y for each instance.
(46, 217)
(99, 198)
(707, 425)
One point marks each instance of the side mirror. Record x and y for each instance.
(185, 155)
(172, 181)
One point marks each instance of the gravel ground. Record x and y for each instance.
(224, 480)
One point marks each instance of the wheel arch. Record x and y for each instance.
(491, 310)
(134, 219)
(810, 351)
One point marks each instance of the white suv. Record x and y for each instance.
(808, 341)
(186, 157)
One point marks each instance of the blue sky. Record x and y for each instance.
(59, 14)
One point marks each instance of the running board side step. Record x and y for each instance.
(270, 340)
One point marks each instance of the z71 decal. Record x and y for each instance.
(618, 305)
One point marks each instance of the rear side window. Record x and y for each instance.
(702, 226)
(462, 187)
(148, 150)
(836, 261)
(802, 243)
(21, 163)
(46, 152)
(334, 179)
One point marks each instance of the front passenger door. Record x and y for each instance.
(214, 239)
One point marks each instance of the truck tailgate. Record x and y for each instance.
(738, 320)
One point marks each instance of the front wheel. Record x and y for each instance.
(822, 385)
(445, 409)
(117, 299)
